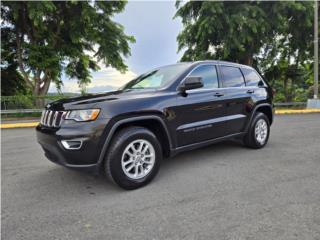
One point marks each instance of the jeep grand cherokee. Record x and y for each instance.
(171, 109)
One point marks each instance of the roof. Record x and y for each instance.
(222, 63)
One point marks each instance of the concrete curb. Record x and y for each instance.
(278, 112)
(297, 111)
(19, 125)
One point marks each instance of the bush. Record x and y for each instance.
(17, 102)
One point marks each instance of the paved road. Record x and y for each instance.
(223, 191)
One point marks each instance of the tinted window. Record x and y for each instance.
(208, 73)
(232, 77)
(251, 77)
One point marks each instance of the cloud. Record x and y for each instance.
(106, 79)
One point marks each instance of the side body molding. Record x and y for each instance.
(127, 120)
(210, 121)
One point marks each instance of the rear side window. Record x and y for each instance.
(251, 77)
(232, 77)
(209, 76)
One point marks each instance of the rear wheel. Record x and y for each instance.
(134, 157)
(259, 131)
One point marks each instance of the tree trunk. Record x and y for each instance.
(291, 92)
(39, 102)
(40, 92)
(285, 88)
(248, 60)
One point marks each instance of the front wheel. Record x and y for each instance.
(133, 158)
(258, 132)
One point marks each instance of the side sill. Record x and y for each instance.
(204, 143)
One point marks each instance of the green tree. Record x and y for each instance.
(289, 56)
(233, 31)
(11, 80)
(275, 37)
(54, 37)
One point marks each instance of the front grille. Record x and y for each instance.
(52, 118)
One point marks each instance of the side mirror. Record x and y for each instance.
(191, 83)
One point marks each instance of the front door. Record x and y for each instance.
(199, 114)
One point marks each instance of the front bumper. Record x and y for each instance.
(84, 158)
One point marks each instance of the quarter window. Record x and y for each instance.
(232, 77)
(209, 76)
(251, 77)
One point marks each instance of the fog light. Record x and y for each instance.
(72, 144)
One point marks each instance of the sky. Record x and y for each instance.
(155, 31)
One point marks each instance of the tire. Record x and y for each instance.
(251, 139)
(121, 157)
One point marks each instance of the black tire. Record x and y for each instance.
(250, 139)
(121, 140)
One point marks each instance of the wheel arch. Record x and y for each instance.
(153, 123)
(265, 108)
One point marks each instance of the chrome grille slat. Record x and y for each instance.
(63, 115)
(42, 115)
(46, 117)
(54, 124)
(51, 118)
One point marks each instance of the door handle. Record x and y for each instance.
(218, 94)
(250, 91)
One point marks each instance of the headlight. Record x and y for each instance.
(83, 115)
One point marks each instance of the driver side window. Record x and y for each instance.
(209, 75)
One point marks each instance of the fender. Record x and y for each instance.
(254, 111)
(127, 120)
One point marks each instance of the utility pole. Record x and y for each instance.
(316, 51)
(315, 101)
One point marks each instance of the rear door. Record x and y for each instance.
(237, 99)
(257, 90)
(256, 87)
(199, 114)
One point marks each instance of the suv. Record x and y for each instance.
(171, 109)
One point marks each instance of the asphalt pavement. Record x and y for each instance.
(224, 191)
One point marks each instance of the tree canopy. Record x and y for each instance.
(275, 37)
(12, 82)
(48, 38)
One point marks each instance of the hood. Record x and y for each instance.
(92, 99)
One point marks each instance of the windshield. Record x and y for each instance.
(157, 78)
